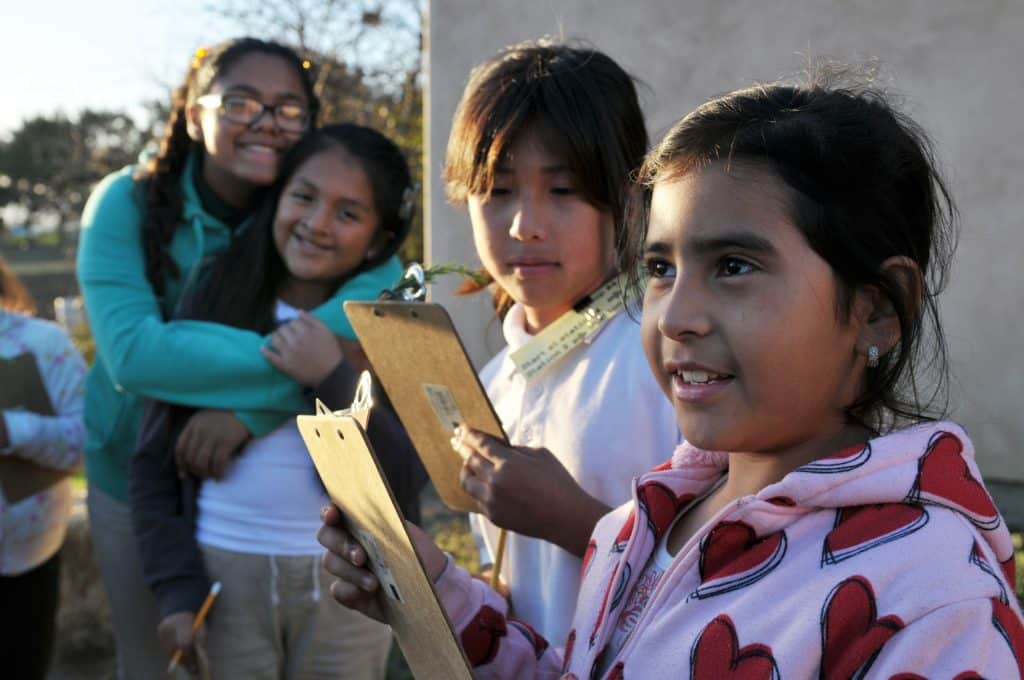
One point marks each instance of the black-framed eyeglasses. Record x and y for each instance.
(246, 110)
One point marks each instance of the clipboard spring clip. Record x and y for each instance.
(412, 287)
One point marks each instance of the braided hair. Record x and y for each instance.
(160, 176)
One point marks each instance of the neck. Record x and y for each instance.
(539, 318)
(304, 295)
(751, 472)
(234, 191)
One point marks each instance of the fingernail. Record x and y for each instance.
(353, 554)
(367, 582)
(323, 511)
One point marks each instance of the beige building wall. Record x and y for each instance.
(958, 65)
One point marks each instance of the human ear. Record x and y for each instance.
(876, 310)
(193, 123)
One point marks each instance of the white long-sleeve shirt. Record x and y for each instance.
(32, 529)
(600, 412)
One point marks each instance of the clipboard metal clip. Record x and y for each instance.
(362, 402)
(412, 287)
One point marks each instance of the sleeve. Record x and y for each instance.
(53, 441)
(496, 645)
(980, 638)
(162, 507)
(144, 355)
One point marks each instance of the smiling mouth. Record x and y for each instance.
(701, 377)
(260, 149)
(306, 243)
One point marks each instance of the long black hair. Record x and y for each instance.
(863, 186)
(161, 175)
(243, 284)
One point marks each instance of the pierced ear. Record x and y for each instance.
(194, 123)
(880, 324)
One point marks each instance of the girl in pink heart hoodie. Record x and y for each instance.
(792, 240)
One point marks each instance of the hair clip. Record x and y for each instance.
(307, 64)
(200, 54)
(406, 205)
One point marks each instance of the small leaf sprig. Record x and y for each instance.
(413, 284)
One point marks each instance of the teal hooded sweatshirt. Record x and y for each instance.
(193, 363)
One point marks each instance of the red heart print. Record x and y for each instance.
(733, 557)
(1009, 569)
(660, 505)
(851, 634)
(842, 461)
(567, 655)
(944, 478)
(527, 631)
(717, 655)
(587, 557)
(481, 637)
(1011, 628)
(862, 527)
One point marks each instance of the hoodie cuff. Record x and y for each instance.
(339, 387)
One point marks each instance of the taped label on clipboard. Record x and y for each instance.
(378, 566)
(443, 402)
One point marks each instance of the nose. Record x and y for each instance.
(318, 218)
(266, 121)
(684, 311)
(529, 223)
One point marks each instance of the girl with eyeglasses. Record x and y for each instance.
(146, 232)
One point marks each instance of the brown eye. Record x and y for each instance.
(734, 266)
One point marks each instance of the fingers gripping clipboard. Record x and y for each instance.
(353, 478)
(418, 357)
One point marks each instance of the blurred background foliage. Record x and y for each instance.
(366, 57)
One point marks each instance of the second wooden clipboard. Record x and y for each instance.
(352, 476)
(418, 357)
(22, 388)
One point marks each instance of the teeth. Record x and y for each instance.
(699, 377)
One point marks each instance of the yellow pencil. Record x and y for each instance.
(200, 617)
(498, 557)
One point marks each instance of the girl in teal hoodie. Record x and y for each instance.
(146, 232)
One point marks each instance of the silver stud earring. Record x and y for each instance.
(873, 356)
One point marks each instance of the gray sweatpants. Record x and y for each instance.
(133, 608)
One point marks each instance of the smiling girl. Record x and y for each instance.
(339, 207)
(818, 523)
(146, 232)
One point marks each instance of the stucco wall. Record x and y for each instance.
(959, 66)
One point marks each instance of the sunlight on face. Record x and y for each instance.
(740, 324)
(537, 236)
(326, 219)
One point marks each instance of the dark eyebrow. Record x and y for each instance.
(740, 240)
(657, 248)
(303, 180)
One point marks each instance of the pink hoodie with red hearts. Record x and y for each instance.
(887, 560)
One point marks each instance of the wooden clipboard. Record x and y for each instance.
(355, 482)
(418, 357)
(22, 389)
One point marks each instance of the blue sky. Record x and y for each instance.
(65, 55)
